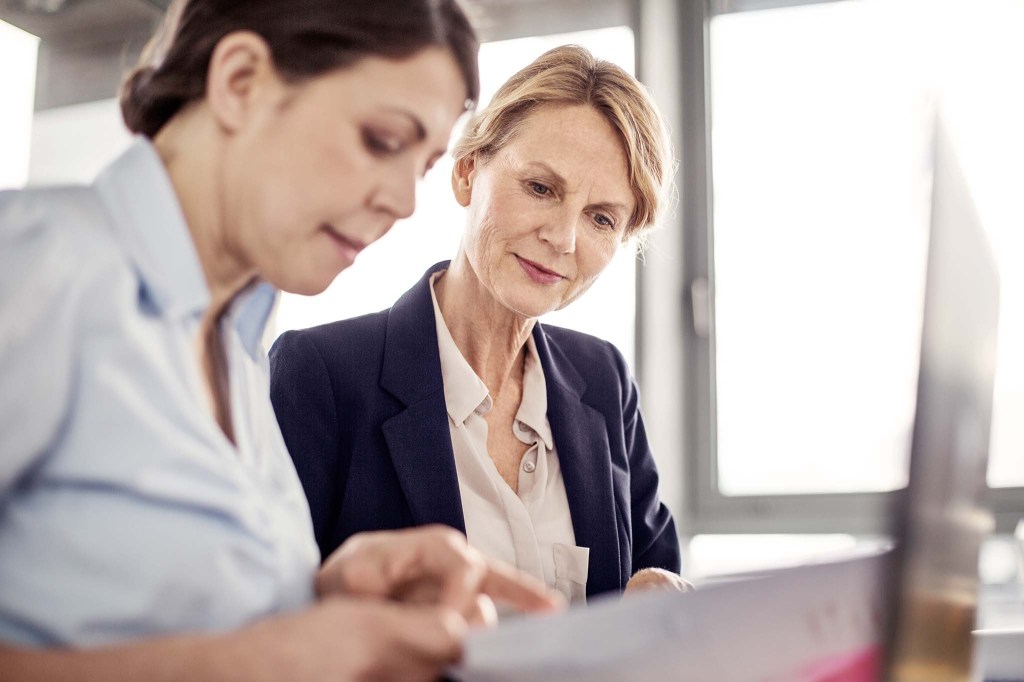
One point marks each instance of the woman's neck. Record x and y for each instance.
(490, 336)
(191, 146)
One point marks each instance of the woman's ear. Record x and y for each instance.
(462, 179)
(240, 77)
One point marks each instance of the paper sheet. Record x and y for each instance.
(818, 623)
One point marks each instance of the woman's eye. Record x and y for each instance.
(540, 189)
(603, 220)
(381, 144)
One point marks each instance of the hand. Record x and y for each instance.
(431, 565)
(345, 640)
(648, 579)
(350, 640)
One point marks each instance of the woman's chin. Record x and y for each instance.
(309, 284)
(530, 306)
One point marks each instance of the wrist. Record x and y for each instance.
(233, 656)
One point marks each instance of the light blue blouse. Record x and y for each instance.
(124, 511)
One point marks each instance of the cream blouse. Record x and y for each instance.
(532, 530)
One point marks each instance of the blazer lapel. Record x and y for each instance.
(418, 438)
(581, 441)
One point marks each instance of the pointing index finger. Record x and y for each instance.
(505, 584)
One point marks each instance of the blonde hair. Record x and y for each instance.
(571, 75)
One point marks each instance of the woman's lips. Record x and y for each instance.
(349, 248)
(537, 272)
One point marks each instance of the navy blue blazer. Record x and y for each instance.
(361, 406)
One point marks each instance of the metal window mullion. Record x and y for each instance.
(699, 426)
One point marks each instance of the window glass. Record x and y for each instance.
(820, 236)
(18, 51)
(709, 556)
(984, 101)
(821, 123)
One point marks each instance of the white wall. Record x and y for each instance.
(72, 144)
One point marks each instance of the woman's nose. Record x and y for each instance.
(397, 192)
(560, 232)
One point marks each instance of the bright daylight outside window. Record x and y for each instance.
(821, 119)
(17, 94)
(385, 270)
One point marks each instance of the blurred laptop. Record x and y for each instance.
(940, 523)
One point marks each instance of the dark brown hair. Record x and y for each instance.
(307, 38)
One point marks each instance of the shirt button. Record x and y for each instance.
(529, 466)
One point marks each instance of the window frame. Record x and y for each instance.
(707, 509)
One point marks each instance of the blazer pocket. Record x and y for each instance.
(572, 565)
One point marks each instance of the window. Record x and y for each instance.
(820, 234)
(17, 94)
(711, 556)
(389, 267)
(818, 126)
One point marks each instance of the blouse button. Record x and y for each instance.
(529, 466)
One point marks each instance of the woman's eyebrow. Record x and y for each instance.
(610, 206)
(548, 170)
(419, 129)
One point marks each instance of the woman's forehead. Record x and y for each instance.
(569, 140)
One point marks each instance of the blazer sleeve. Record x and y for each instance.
(303, 399)
(655, 542)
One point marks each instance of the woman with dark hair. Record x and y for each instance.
(145, 489)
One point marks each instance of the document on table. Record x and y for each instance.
(806, 624)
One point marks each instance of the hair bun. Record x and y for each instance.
(137, 101)
(150, 98)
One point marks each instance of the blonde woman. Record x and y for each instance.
(456, 406)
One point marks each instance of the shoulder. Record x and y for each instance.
(65, 228)
(337, 345)
(592, 357)
(56, 244)
(24, 210)
(606, 376)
